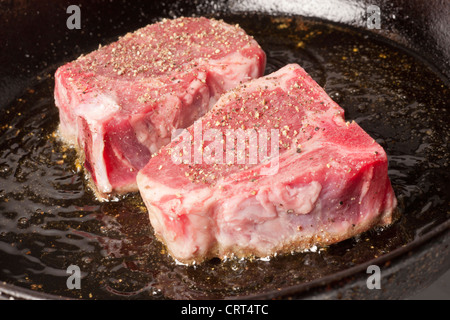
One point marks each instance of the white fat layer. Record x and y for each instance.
(99, 108)
(95, 112)
(101, 176)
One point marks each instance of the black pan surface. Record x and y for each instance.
(50, 220)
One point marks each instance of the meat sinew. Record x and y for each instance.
(120, 103)
(309, 177)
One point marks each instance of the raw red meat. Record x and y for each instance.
(120, 103)
(317, 181)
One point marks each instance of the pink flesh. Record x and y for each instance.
(331, 183)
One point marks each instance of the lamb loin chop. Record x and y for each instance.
(119, 104)
(273, 167)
